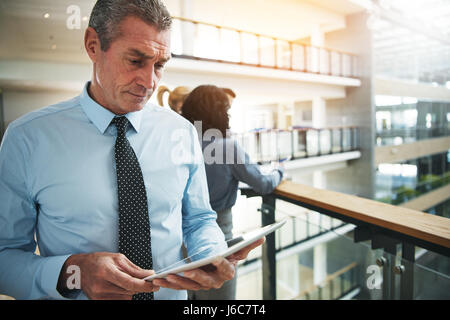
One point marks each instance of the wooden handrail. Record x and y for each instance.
(262, 35)
(419, 225)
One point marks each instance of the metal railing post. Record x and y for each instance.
(269, 250)
(406, 272)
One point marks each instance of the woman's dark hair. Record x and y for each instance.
(210, 105)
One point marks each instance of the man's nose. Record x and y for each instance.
(146, 77)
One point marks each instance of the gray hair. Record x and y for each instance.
(107, 15)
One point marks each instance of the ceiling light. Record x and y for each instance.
(53, 46)
(46, 15)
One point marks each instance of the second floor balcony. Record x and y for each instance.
(266, 145)
(204, 41)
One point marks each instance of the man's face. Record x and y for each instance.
(129, 71)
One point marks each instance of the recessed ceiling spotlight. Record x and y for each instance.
(46, 15)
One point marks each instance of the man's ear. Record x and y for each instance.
(92, 43)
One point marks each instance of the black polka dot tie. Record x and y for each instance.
(134, 224)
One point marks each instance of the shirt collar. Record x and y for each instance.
(102, 117)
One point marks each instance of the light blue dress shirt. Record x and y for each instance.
(58, 189)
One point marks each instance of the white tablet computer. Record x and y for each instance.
(234, 245)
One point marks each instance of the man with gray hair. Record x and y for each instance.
(96, 183)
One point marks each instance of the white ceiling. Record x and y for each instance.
(26, 34)
(344, 7)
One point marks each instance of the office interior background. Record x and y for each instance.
(355, 94)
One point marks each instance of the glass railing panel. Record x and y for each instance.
(283, 54)
(268, 145)
(346, 65)
(337, 136)
(230, 46)
(249, 142)
(267, 51)
(284, 140)
(346, 139)
(325, 141)
(298, 57)
(299, 276)
(312, 59)
(176, 45)
(429, 284)
(324, 61)
(335, 63)
(250, 46)
(355, 67)
(355, 138)
(206, 44)
(326, 222)
(312, 142)
(299, 143)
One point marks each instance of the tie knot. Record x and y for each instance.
(121, 124)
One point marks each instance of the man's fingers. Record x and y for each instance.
(225, 269)
(125, 281)
(184, 282)
(111, 288)
(213, 279)
(166, 284)
(243, 253)
(133, 270)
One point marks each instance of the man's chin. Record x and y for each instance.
(133, 106)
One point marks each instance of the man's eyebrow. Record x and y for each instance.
(139, 54)
(145, 56)
(165, 59)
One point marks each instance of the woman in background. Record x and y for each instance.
(176, 97)
(225, 167)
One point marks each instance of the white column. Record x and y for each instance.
(319, 181)
(281, 118)
(317, 36)
(317, 41)
(320, 263)
(319, 115)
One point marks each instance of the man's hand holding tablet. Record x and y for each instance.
(206, 277)
(213, 272)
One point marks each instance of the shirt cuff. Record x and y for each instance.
(280, 170)
(50, 275)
